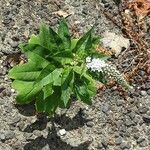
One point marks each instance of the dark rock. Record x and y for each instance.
(146, 119)
(140, 139)
(148, 92)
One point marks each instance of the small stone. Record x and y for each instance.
(118, 141)
(140, 139)
(16, 120)
(125, 145)
(132, 115)
(2, 136)
(143, 109)
(128, 122)
(119, 102)
(14, 44)
(100, 146)
(104, 143)
(142, 73)
(136, 135)
(62, 132)
(147, 85)
(146, 119)
(105, 108)
(90, 124)
(143, 93)
(136, 119)
(143, 144)
(28, 136)
(12, 90)
(9, 135)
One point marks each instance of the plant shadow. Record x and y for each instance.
(64, 121)
(26, 109)
(71, 123)
(54, 142)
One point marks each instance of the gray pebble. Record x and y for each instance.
(125, 146)
(147, 85)
(143, 109)
(15, 120)
(136, 135)
(143, 93)
(9, 135)
(28, 136)
(2, 136)
(143, 144)
(140, 139)
(90, 124)
(118, 140)
(100, 146)
(119, 102)
(105, 108)
(132, 115)
(129, 122)
(14, 44)
(104, 143)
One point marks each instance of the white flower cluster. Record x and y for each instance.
(96, 64)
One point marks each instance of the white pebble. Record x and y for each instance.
(62, 132)
(12, 90)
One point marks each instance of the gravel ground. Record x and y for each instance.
(111, 123)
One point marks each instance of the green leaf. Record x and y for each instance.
(34, 39)
(82, 40)
(56, 40)
(67, 85)
(52, 102)
(53, 77)
(40, 61)
(26, 72)
(48, 90)
(64, 57)
(39, 103)
(73, 43)
(45, 37)
(63, 32)
(83, 94)
(26, 91)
